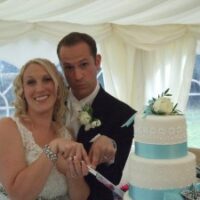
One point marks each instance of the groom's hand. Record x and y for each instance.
(103, 150)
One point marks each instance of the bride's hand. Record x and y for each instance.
(71, 155)
(71, 167)
(76, 168)
(68, 148)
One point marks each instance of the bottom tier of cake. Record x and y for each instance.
(155, 178)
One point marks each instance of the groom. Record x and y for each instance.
(107, 143)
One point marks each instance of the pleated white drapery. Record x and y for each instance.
(141, 57)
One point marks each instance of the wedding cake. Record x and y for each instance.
(161, 164)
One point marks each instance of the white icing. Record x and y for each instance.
(154, 129)
(162, 174)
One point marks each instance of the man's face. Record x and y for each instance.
(80, 68)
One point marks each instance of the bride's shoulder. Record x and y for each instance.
(8, 129)
(7, 122)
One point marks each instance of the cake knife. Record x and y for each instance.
(106, 182)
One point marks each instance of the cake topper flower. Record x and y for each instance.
(162, 105)
(86, 118)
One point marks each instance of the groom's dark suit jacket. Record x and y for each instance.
(113, 114)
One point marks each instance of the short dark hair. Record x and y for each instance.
(75, 38)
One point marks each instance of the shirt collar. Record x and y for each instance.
(87, 100)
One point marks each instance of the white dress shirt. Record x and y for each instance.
(75, 106)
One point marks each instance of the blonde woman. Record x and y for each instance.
(35, 146)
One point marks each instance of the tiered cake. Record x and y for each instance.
(161, 164)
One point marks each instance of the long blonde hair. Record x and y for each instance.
(60, 110)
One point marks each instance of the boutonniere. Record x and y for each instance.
(86, 118)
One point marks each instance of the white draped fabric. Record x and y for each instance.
(147, 46)
(90, 12)
(144, 66)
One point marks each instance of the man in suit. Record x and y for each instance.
(107, 143)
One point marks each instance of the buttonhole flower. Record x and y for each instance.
(86, 118)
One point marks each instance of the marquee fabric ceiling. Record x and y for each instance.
(93, 12)
(134, 32)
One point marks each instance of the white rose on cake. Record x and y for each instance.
(163, 105)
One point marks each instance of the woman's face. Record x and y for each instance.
(39, 89)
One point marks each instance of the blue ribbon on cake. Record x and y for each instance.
(155, 151)
(137, 193)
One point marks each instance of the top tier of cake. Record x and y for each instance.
(160, 136)
(160, 129)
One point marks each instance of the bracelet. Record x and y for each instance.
(50, 154)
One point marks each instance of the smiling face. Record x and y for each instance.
(39, 89)
(80, 68)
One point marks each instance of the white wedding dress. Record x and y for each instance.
(56, 186)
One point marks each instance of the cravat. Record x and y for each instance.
(72, 118)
